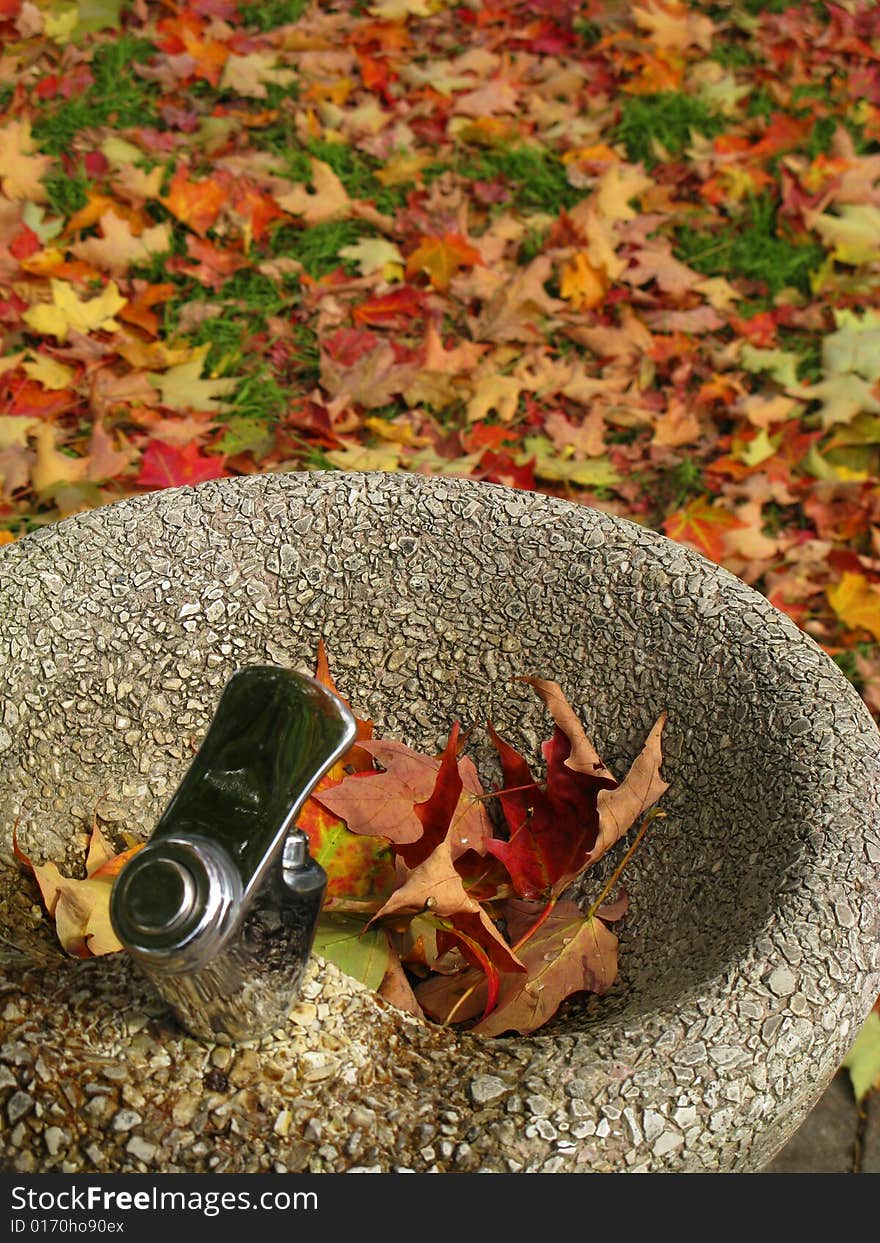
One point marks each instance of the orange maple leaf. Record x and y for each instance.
(440, 258)
(702, 525)
(195, 203)
(186, 33)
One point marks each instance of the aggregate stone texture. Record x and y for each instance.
(749, 956)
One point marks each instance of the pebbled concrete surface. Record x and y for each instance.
(751, 951)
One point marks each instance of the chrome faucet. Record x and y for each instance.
(219, 908)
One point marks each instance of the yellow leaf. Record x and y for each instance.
(21, 171)
(617, 185)
(51, 374)
(81, 908)
(364, 458)
(495, 392)
(759, 449)
(14, 430)
(856, 602)
(66, 311)
(400, 10)
(182, 387)
(854, 233)
(61, 25)
(53, 467)
(843, 397)
(120, 153)
(562, 467)
(582, 284)
(402, 169)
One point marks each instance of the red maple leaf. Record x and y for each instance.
(170, 466)
(554, 827)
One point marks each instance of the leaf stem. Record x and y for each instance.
(532, 785)
(535, 926)
(462, 999)
(652, 815)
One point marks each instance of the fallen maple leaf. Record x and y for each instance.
(560, 828)
(181, 387)
(172, 466)
(856, 602)
(81, 908)
(440, 258)
(384, 804)
(568, 953)
(118, 248)
(703, 525)
(21, 169)
(328, 200)
(196, 203)
(67, 312)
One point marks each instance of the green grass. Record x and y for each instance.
(66, 194)
(667, 117)
(308, 354)
(269, 14)
(259, 396)
(734, 55)
(531, 245)
(749, 248)
(117, 97)
(587, 32)
(535, 175)
(761, 103)
(683, 482)
(355, 170)
(318, 248)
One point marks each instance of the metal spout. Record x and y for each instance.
(219, 908)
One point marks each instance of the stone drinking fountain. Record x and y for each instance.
(751, 950)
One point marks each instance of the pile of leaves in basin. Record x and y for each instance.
(426, 903)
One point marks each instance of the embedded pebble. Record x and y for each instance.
(782, 982)
(487, 1088)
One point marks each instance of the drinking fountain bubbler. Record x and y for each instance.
(219, 908)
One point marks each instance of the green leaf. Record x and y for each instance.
(362, 953)
(863, 1059)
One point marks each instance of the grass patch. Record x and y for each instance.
(531, 246)
(67, 194)
(355, 170)
(761, 103)
(749, 248)
(587, 32)
(318, 248)
(260, 397)
(667, 117)
(734, 55)
(535, 175)
(308, 354)
(683, 482)
(269, 14)
(117, 97)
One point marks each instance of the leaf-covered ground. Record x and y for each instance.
(628, 254)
